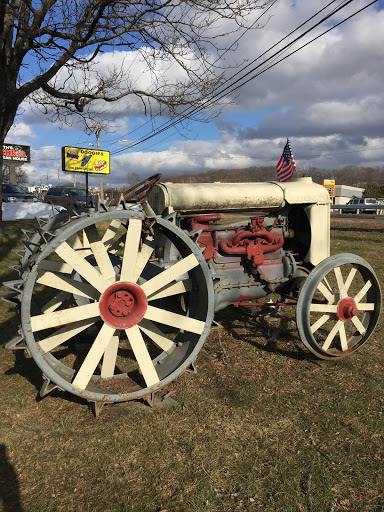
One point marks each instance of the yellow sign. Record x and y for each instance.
(93, 161)
(330, 186)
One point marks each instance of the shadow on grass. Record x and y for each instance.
(277, 332)
(28, 369)
(9, 484)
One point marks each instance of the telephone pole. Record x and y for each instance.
(97, 133)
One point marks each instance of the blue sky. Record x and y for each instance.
(328, 99)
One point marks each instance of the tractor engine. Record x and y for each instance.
(246, 261)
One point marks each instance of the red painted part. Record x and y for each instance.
(123, 305)
(270, 236)
(208, 217)
(206, 241)
(256, 223)
(347, 309)
(254, 249)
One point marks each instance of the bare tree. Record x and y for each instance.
(49, 51)
(21, 176)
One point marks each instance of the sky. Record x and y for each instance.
(328, 98)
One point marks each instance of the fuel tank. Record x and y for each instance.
(234, 197)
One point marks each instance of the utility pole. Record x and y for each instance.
(97, 133)
(58, 176)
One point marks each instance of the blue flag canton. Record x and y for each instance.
(287, 153)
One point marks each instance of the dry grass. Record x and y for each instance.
(261, 426)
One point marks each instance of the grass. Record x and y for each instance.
(263, 425)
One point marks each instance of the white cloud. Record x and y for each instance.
(20, 131)
(328, 98)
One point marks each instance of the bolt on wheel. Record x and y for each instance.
(104, 317)
(338, 306)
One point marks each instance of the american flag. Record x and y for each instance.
(286, 165)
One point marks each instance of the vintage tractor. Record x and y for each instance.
(117, 300)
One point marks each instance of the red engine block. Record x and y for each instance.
(252, 242)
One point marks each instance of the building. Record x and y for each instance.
(343, 193)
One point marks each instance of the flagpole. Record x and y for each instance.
(295, 172)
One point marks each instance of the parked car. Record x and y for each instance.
(16, 193)
(67, 196)
(360, 205)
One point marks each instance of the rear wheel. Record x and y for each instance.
(104, 317)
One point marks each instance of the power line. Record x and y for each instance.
(113, 141)
(230, 88)
(189, 111)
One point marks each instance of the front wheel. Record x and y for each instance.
(338, 306)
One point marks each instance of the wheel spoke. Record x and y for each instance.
(363, 291)
(359, 326)
(55, 266)
(321, 321)
(110, 232)
(109, 358)
(327, 294)
(86, 243)
(101, 255)
(151, 330)
(324, 308)
(75, 242)
(131, 249)
(142, 356)
(143, 256)
(332, 335)
(93, 357)
(64, 316)
(328, 285)
(56, 302)
(173, 289)
(85, 269)
(69, 285)
(368, 306)
(169, 275)
(65, 333)
(174, 320)
(350, 277)
(343, 338)
(340, 282)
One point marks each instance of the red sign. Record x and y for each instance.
(16, 153)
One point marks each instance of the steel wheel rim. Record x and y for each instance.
(327, 323)
(172, 361)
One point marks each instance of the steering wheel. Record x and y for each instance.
(140, 191)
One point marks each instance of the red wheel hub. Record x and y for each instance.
(123, 305)
(347, 309)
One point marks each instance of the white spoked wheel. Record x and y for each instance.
(338, 306)
(104, 317)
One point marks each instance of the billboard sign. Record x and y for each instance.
(93, 161)
(330, 186)
(16, 153)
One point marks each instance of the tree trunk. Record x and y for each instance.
(8, 109)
